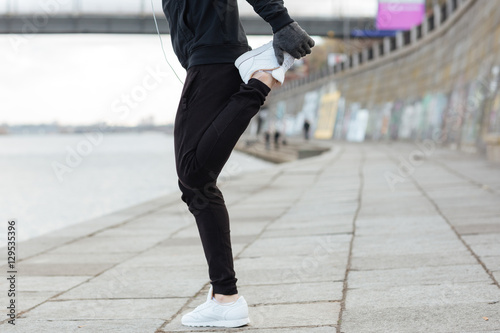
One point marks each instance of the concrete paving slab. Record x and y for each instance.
(473, 229)
(189, 231)
(482, 239)
(27, 299)
(496, 275)
(291, 275)
(486, 249)
(168, 249)
(417, 276)
(290, 315)
(307, 245)
(35, 246)
(259, 216)
(409, 271)
(403, 220)
(46, 283)
(412, 246)
(239, 227)
(388, 261)
(459, 221)
(492, 262)
(123, 309)
(321, 210)
(78, 258)
(58, 269)
(471, 214)
(187, 241)
(301, 231)
(401, 209)
(444, 318)
(456, 193)
(166, 261)
(292, 293)
(290, 219)
(312, 329)
(249, 206)
(293, 221)
(142, 282)
(77, 326)
(422, 295)
(485, 199)
(90, 226)
(141, 231)
(280, 316)
(130, 244)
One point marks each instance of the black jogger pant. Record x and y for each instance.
(215, 109)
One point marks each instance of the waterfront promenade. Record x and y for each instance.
(363, 238)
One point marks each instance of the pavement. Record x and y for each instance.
(363, 238)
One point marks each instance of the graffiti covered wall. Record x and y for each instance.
(441, 83)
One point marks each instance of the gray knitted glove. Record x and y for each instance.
(292, 39)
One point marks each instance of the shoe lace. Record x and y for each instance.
(288, 61)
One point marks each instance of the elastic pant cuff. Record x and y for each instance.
(225, 290)
(261, 87)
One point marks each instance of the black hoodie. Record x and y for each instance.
(210, 31)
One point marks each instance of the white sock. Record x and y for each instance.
(230, 303)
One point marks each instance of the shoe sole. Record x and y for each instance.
(225, 323)
(250, 54)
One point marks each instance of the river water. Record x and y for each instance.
(51, 181)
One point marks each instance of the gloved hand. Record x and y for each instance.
(292, 39)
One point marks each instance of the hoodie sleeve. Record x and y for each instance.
(273, 12)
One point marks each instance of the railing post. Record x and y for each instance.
(387, 45)
(437, 16)
(355, 60)
(449, 8)
(376, 50)
(425, 27)
(336, 68)
(399, 40)
(413, 35)
(364, 56)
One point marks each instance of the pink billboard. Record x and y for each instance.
(400, 14)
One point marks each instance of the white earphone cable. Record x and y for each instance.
(161, 43)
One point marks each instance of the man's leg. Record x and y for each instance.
(207, 206)
(215, 110)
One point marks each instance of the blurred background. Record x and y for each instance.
(87, 98)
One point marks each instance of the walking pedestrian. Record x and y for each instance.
(307, 126)
(225, 86)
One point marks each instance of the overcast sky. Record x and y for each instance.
(83, 79)
(296, 7)
(120, 79)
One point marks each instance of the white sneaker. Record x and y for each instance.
(215, 314)
(264, 59)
